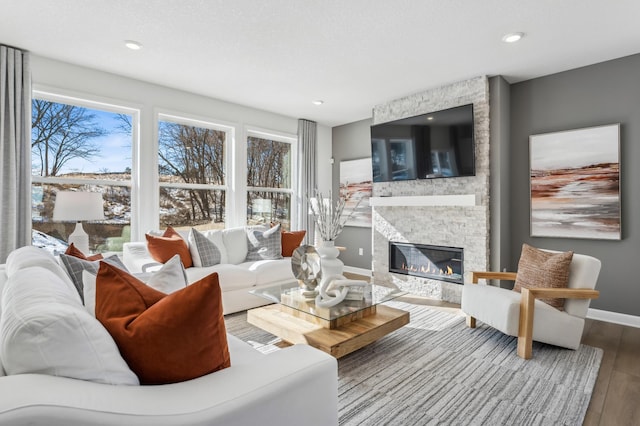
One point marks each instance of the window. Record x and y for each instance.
(204, 175)
(270, 180)
(84, 146)
(191, 166)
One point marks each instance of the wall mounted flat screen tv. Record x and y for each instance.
(427, 146)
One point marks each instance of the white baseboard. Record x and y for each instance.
(359, 271)
(614, 317)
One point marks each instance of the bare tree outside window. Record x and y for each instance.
(193, 156)
(76, 148)
(61, 133)
(269, 181)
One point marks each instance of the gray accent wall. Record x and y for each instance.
(351, 142)
(599, 94)
(596, 95)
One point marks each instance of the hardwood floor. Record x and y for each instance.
(616, 395)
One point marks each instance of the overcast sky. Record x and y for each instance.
(575, 148)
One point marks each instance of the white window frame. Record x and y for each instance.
(99, 103)
(252, 131)
(229, 145)
(145, 180)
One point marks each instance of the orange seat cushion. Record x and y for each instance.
(168, 245)
(163, 338)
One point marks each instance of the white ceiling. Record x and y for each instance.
(280, 55)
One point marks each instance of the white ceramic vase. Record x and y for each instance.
(329, 263)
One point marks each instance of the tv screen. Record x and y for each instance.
(435, 145)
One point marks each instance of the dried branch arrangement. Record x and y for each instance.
(328, 215)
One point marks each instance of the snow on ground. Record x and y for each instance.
(47, 242)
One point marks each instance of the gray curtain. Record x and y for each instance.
(15, 150)
(307, 137)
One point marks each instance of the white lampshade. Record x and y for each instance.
(261, 205)
(77, 206)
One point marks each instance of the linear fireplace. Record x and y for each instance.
(421, 260)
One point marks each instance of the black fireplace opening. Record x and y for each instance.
(428, 261)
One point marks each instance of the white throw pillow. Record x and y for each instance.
(89, 283)
(3, 279)
(45, 330)
(27, 256)
(235, 241)
(171, 277)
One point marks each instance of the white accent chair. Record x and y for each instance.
(522, 316)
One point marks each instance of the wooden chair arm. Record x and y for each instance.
(563, 293)
(527, 303)
(477, 275)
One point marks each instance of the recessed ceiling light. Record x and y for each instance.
(512, 37)
(133, 45)
(430, 118)
(318, 102)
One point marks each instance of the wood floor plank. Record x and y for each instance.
(627, 360)
(606, 336)
(621, 405)
(592, 418)
(587, 326)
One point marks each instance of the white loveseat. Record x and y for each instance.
(282, 387)
(237, 276)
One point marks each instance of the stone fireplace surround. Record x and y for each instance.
(448, 212)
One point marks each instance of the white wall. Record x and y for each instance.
(72, 80)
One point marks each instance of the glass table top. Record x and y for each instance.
(293, 296)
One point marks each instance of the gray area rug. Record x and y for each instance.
(436, 371)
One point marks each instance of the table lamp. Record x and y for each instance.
(78, 206)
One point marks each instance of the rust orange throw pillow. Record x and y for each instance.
(168, 245)
(74, 251)
(163, 338)
(291, 241)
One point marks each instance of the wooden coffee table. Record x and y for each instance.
(337, 331)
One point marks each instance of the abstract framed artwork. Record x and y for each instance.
(575, 183)
(356, 185)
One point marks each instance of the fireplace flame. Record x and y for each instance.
(427, 269)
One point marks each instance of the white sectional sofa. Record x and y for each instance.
(237, 276)
(290, 386)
